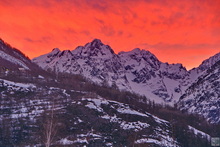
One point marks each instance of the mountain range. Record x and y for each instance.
(29, 89)
(137, 71)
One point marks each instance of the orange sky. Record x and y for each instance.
(186, 31)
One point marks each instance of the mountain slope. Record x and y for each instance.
(152, 78)
(87, 119)
(13, 61)
(13, 57)
(202, 97)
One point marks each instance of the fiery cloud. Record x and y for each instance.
(175, 31)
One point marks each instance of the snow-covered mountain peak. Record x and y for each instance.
(77, 50)
(65, 53)
(55, 53)
(96, 42)
(55, 50)
(140, 58)
(174, 71)
(47, 58)
(95, 49)
(136, 50)
(139, 53)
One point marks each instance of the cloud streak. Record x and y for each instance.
(182, 28)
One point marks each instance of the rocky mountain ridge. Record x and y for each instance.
(137, 71)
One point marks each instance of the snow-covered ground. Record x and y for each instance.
(198, 132)
(113, 111)
(162, 137)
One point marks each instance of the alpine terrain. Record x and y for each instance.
(92, 96)
(140, 72)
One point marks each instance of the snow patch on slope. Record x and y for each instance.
(16, 85)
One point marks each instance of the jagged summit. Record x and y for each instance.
(138, 52)
(94, 49)
(97, 42)
(65, 53)
(141, 58)
(135, 51)
(56, 50)
(96, 45)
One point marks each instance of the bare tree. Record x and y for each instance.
(50, 128)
